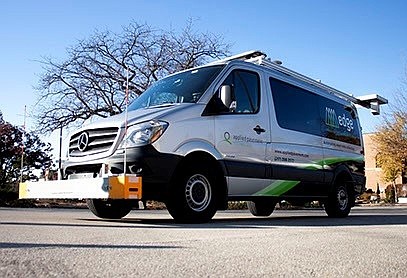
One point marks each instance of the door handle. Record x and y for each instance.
(259, 129)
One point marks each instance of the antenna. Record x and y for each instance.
(125, 124)
(22, 145)
(60, 155)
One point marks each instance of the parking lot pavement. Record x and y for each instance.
(297, 243)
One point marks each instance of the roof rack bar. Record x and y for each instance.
(242, 56)
(372, 101)
(306, 79)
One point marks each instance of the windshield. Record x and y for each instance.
(184, 87)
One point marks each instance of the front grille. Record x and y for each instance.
(97, 141)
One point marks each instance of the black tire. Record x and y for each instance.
(110, 208)
(261, 208)
(193, 195)
(339, 202)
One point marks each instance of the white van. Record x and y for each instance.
(243, 128)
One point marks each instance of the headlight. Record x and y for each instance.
(143, 133)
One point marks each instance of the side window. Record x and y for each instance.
(296, 108)
(245, 91)
(301, 110)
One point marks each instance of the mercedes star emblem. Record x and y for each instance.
(83, 141)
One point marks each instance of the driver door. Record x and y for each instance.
(243, 132)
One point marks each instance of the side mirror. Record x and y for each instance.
(221, 102)
(226, 95)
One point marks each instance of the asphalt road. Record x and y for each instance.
(371, 242)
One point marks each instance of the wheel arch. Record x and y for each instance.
(195, 146)
(342, 174)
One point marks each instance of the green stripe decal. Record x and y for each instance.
(334, 160)
(280, 187)
(277, 188)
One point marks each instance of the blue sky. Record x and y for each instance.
(359, 47)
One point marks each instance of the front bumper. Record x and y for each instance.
(154, 167)
(113, 187)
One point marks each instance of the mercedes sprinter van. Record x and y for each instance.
(243, 128)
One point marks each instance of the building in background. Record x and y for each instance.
(372, 170)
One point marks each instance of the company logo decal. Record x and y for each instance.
(231, 138)
(226, 137)
(332, 120)
(83, 141)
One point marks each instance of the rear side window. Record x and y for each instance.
(339, 122)
(296, 108)
(301, 110)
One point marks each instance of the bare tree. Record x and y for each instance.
(91, 81)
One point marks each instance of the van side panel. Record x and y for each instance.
(296, 149)
(311, 136)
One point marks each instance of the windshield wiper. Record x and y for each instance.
(161, 105)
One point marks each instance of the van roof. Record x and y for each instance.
(371, 101)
